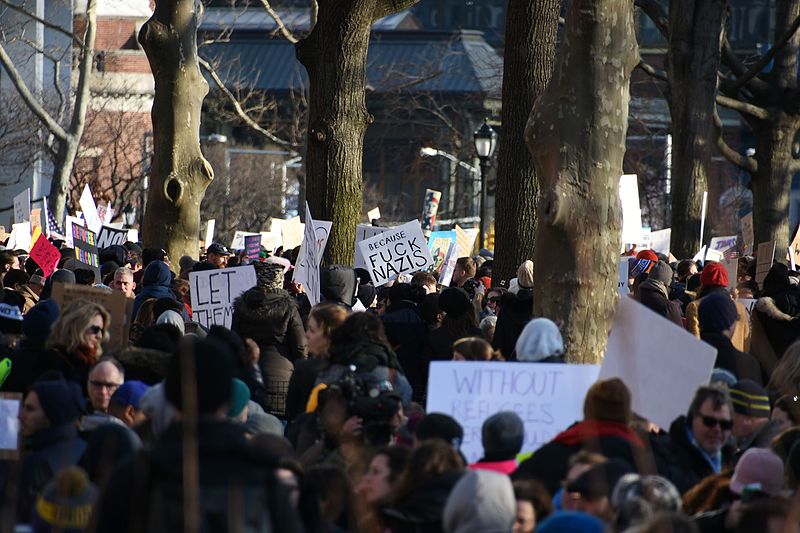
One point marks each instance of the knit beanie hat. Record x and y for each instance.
(571, 521)
(525, 275)
(61, 400)
(213, 373)
(608, 399)
(38, 322)
(661, 272)
(366, 294)
(10, 319)
(502, 435)
(650, 255)
(760, 468)
(539, 340)
(714, 275)
(716, 312)
(480, 501)
(269, 276)
(240, 396)
(750, 399)
(65, 504)
(173, 318)
(455, 302)
(440, 426)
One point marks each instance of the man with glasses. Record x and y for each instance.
(105, 377)
(700, 442)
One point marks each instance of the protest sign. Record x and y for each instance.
(661, 363)
(269, 241)
(430, 207)
(374, 214)
(276, 228)
(238, 239)
(363, 232)
(106, 213)
(749, 304)
(703, 211)
(732, 266)
(307, 269)
(85, 246)
(622, 276)
(660, 240)
(213, 293)
(322, 230)
(252, 245)
(645, 241)
(547, 397)
(10, 403)
(110, 236)
(115, 302)
(722, 244)
(449, 267)
(20, 238)
(699, 256)
(36, 219)
(631, 210)
(46, 256)
(90, 214)
(209, 234)
(747, 233)
(22, 206)
(713, 255)
(398, 251)
(133, 235)
(292, 233)
(439, 243)
(466, 240)
(72, 221)
(764, 260)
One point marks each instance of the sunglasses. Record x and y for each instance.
(94, 330)
(710, 422)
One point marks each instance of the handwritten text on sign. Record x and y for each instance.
(547, 397)
(213, 293)
(399, 251)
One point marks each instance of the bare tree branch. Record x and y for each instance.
(29, 99)
(655, 11)
(240, 112)
(83, 92)
(651, 70)
(736, 65)
(748, 164)
(288, 35)
(41, 21)
(743, 107)
(384, 8)
(766, 58)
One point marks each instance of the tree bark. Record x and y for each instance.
(180, 173)
(335, 57)
(693, 58)
(576, 133)
(531, 28)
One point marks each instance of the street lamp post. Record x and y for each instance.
(485, 143)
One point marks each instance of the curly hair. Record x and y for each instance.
(68, 330)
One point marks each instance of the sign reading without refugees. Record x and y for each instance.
(213, 293)
(548, 397)
(401, 250)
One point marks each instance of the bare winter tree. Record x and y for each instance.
(67, 137)
(576, 133)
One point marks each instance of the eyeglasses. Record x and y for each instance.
(94, 330)
(710, 422)
(103, 385)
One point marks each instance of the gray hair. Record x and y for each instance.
(124, 271)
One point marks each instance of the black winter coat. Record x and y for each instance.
(272, 320)
(407, 332)
(740, 364)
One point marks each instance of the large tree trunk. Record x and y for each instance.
(531, 28)
(693, 59)
(576, 133)
(335, 57)
(180, 173)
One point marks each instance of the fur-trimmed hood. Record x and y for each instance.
(768, 307)
(267, 317)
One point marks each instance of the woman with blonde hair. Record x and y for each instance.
(76, 340)
(474, 349)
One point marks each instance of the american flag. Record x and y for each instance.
(53, 228)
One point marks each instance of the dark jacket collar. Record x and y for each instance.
(53, 435)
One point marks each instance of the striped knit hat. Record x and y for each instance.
(750, 399)
(66, 502)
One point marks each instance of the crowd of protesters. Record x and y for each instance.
(302, 418)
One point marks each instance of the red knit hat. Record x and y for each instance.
(714, 275)
(650, 255)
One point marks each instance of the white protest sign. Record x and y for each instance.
(90, 214)
(449, 268)
(645, 242)
(22, 206)
(659, 241)
(213, 293)
(133, 235)
(400, 250)
(269, 241)
(548, 397)
(375, 214)
(109, 236)
(276, 228)
(713, 255)
(749, 304)
(631, 210)
(322, 230)
(722, 243)
(209, 237)
(307, 269)
(700, 255)
(292, 232)
(622, 276)
(20, 237)
(364, 232)
(68, 228)
(661, 363)
(9, 425)
(732, 266)
(106, 213)
(238, 239)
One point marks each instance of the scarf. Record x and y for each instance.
(594, 429)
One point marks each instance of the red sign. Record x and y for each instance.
(45, 255)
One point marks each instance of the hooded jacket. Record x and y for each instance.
(540, 341)
(338, 285)
(272, 320)
(741, 335)
(156, 283)
(773, 332)
(480, 501)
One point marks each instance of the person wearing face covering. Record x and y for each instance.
(540, 342)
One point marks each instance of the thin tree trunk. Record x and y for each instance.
(531, 29)
(180, 173)
(693, 59)
(335, 57)
(576, 133)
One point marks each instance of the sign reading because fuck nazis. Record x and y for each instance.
(401, 250)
